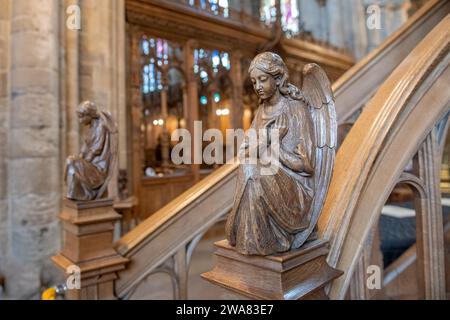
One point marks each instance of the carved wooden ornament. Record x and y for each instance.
(87, 175)
(277, 212)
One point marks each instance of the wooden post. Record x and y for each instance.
(237, 112)
(295, 275)
(192, 92)
(87, 252)
(135, 108)
(165, 139)
(429, 224)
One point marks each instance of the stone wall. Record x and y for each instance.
(4, 119)
(102, 59)
(33, 160)
(102, 64)
(45, 71)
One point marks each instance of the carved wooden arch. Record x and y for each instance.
(414, 182)
(385, 137)
(176, 266)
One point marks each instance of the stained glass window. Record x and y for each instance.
(157, 52)
(217, 7)
(161, 72)
(212, 68)
(289, 14)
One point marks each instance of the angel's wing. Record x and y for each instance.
(113, 148)
(316, 89)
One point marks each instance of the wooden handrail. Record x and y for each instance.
(175, 225)
(195, 194)
(383, 140)
(355, 87)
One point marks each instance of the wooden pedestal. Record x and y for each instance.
(88, 239)
(299, 274)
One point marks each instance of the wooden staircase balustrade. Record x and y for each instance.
(389, 133)
(400, 275)
(169, 236)
(165, 241)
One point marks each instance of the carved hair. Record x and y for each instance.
(88, 108)
(271, 63)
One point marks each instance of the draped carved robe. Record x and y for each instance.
(270, 209)
(87, 173)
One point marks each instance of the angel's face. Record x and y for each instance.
(264, 84)
(83, 117)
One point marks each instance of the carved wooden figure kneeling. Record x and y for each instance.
(277, 211)
(87, 175)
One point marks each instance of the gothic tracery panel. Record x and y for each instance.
(163, 92)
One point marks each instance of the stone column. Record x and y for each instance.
(5, 10)
(309, 13)
(33, 147)
(397, 14)
(376, 36)
(357, 35)
(336, 23)
(102, 64)
(72, 88)
(324, 33)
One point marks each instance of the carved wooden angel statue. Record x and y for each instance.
(87, 175)
(277, 212)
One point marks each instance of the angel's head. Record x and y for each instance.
(87, 111)
(268, 73)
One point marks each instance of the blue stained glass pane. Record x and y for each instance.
(215, 58)
(146, 68)
(204, 75)
(203, 100)
(145, 47)
(226, 60)
(216, 97)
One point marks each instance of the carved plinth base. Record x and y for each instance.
(88, 238)
(299, 274)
